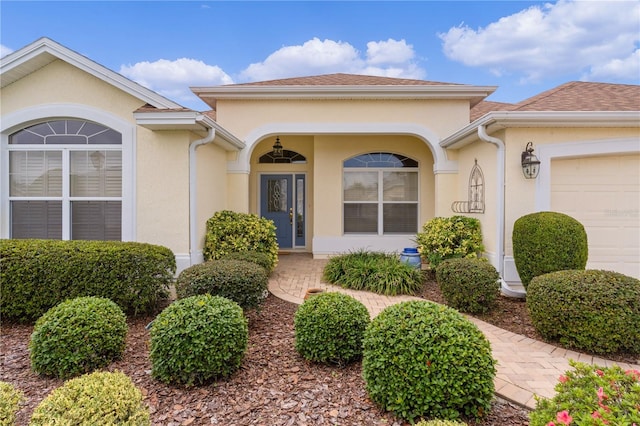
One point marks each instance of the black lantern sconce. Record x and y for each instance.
(277, 148)
(530, 163)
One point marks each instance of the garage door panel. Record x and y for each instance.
(603, 193)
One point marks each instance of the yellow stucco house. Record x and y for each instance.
(359, 161)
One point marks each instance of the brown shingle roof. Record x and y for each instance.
(489, 106)
(344, 80)
(572, 96)
(585, 96)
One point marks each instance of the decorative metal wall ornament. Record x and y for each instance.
(475, 201)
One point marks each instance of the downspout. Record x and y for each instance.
(500, 217)
(194, 256)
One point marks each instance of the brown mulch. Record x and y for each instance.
(275, 386)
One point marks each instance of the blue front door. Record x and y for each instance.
(282, 201)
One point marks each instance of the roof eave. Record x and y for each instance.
(43, 51)
(473, 93)
(192, 121)
(494, 121)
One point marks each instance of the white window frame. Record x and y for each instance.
(380, 201)
(21, 119)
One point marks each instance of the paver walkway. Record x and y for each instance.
(526, 367)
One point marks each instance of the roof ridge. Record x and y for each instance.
(546, 94)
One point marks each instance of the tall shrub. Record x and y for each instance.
(450, 237)
(546, 242)
(229, 232)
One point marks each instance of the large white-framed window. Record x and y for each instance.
(65, 181)
(380, 194)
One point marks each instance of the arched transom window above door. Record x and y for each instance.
(65, 181)
(380, 194)
(288, 157)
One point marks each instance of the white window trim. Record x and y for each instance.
(23, 118)
(380, 201)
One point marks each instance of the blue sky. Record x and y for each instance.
(524, 47)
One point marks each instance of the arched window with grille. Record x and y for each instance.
(65, 181)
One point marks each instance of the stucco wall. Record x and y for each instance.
(163, 189)
(60, 82)
(442, 117)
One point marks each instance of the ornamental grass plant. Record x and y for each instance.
(378, 272)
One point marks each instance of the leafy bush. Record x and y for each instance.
(592, 395)
(421, 359)
(546, 242)
(468, 285)
(444, 238)
(329, 328)
(243, 282)
(77, 336)
(598, 311)
(440, 423)
(100, 398)
(10, 399)
(38, 274)
(378, 272)
(258, 258)
(197, 339)
(229, 232)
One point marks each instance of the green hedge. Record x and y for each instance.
(229, 232)
(243, 282)
(546, 242)
(469, 285)
(452, 237)
(38, 274)
(597, 311)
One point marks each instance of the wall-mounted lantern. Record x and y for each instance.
(530, 163)
(277, 148)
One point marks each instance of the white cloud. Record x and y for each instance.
(389, 52)
(4, 50)
(315, 56)
(625, 69)
(567, 37)
(173, 78)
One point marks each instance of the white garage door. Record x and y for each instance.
(603, 193)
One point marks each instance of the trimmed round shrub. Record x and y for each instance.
(198, 339)
(229, 232)
(243, 282)
(468, 285)
(421, 359)
(597, 311)
(546, 242)
(258, 258)
(10, 399)
(78, 336)
(444, 238)
(99, 398)
(329, 328)
(591, 395)
(440, 423)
